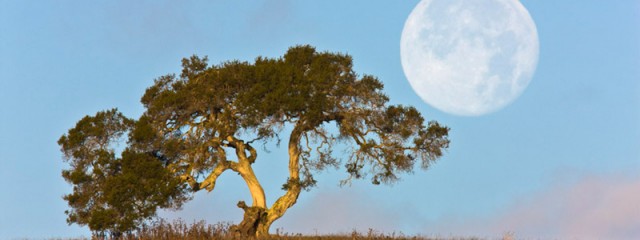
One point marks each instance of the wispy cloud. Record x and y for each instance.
(573, 206)
(341, 211)
(591, 207)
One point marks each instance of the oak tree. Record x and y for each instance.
(210, 118)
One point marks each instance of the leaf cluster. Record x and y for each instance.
(207, 107)
(113, 193)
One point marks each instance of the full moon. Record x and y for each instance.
(469, 57)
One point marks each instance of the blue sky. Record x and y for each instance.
(563, 157)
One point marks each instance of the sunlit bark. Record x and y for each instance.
(283, 203)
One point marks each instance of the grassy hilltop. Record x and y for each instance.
(179, 229)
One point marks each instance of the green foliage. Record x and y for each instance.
(113, 194)
(193, 120)
(306, 88)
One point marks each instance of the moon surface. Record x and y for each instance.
(469, 57)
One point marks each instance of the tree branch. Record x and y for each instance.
(287, 200)
(210, 182)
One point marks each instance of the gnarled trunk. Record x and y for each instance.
(283, 203)
(255, 215)
(257, 193)
(257, 219)
(251, 222)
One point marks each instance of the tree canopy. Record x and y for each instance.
(209, 119)
(113, 193)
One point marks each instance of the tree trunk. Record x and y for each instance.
(246, 171)
(257, 193)
(283, 203)
(251, 222)
(263, 229)
(257, 219)
(256, 214)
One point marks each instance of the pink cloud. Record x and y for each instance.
(341, 211)
(592, 207)
(603, 206)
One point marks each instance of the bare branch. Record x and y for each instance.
(210, 182)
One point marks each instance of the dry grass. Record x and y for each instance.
(179, 229)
